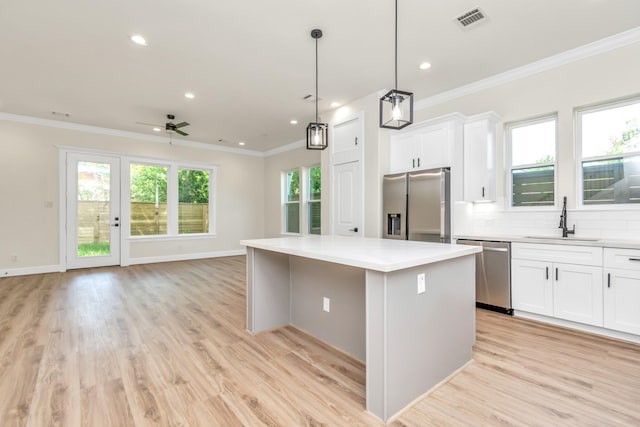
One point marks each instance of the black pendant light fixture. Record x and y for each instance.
(317, 137)
(396, 107)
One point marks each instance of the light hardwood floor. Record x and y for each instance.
(165, 345)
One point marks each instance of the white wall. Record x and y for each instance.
(29, 181)
(608, 76)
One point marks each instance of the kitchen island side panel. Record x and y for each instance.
(268, 290)
(344, 325)
(429, 335)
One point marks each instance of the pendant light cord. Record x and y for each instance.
(316, 80)
(396, 50)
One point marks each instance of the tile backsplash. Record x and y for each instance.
(490, 219)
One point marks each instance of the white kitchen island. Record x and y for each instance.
(409, 340)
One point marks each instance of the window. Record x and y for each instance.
(148, 199)
(609, 140)
(193, 201)
(292, 202)
(301, 200)
(314, 201)
(533, 161)
(169, 199)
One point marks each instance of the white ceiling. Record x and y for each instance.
(250, 62)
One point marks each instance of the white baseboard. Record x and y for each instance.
(9, 272)
(579, 326)
(185, 257)
(25, 271)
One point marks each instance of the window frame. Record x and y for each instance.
(303, 202)
(285, 202)
(508, 128)
(579, 182)
(172, 198)
(309, 201)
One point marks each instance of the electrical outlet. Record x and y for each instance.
(14, 258)
(422, 286)
(326, 304)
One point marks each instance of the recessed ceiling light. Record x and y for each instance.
(241, 143)
(294, 122)
(425, 66)
(138, 39)
(189, 95)
(335, 104)
(157, 129)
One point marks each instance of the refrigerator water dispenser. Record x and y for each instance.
(393, 224)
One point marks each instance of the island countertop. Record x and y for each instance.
(384, 255)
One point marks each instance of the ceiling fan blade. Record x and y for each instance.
(181, 132)
(181, 125)
(147, 124)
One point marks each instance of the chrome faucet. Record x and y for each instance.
(563, 220)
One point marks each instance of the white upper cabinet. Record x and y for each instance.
(426, 145)
(480, 157)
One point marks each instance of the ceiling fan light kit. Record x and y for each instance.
(171, 127)
(396, 106)
(317, 135)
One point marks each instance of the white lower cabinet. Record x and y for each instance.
(531, 288)
(577, 293)
(563, 290)
(622, 290)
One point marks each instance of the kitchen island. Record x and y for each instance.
(407, 309)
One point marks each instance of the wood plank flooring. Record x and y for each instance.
(165, 345)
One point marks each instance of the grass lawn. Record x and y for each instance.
(93, 249)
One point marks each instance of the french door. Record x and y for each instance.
(93, 211)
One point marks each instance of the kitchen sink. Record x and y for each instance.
(576, 239)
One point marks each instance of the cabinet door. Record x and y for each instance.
(577, 293)
(531, 286)
(622, 300)
(403, 153)
(434, 148)
(480, 159)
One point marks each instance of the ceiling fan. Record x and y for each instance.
(169, 126)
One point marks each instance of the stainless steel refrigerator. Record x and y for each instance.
(417, 206)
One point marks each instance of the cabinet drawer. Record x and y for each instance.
(585, 255)
(628, 259)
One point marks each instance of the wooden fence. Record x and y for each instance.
(94, 222)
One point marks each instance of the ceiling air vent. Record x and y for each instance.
(472, 17)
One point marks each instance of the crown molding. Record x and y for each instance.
(125, 134)
(598, 47)
(294, 145)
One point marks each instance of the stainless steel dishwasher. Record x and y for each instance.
(493, 275)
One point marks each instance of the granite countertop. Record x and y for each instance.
(558, 240)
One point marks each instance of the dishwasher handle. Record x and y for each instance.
(484, 248)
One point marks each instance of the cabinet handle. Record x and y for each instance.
(482, 191)
(556, 274)
(356, 140)
(418, 161)
(547, 271)
(414, 162)
(608, 280)
(634, 259)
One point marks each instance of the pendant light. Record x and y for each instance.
(317, 138)
(396, 107)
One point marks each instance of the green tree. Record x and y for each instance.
(193, 186)
(144, 181)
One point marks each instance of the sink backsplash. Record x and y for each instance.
(485, 219)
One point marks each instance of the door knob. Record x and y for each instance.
(355, 230)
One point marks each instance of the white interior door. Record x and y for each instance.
(347, 198)
(93, 211)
